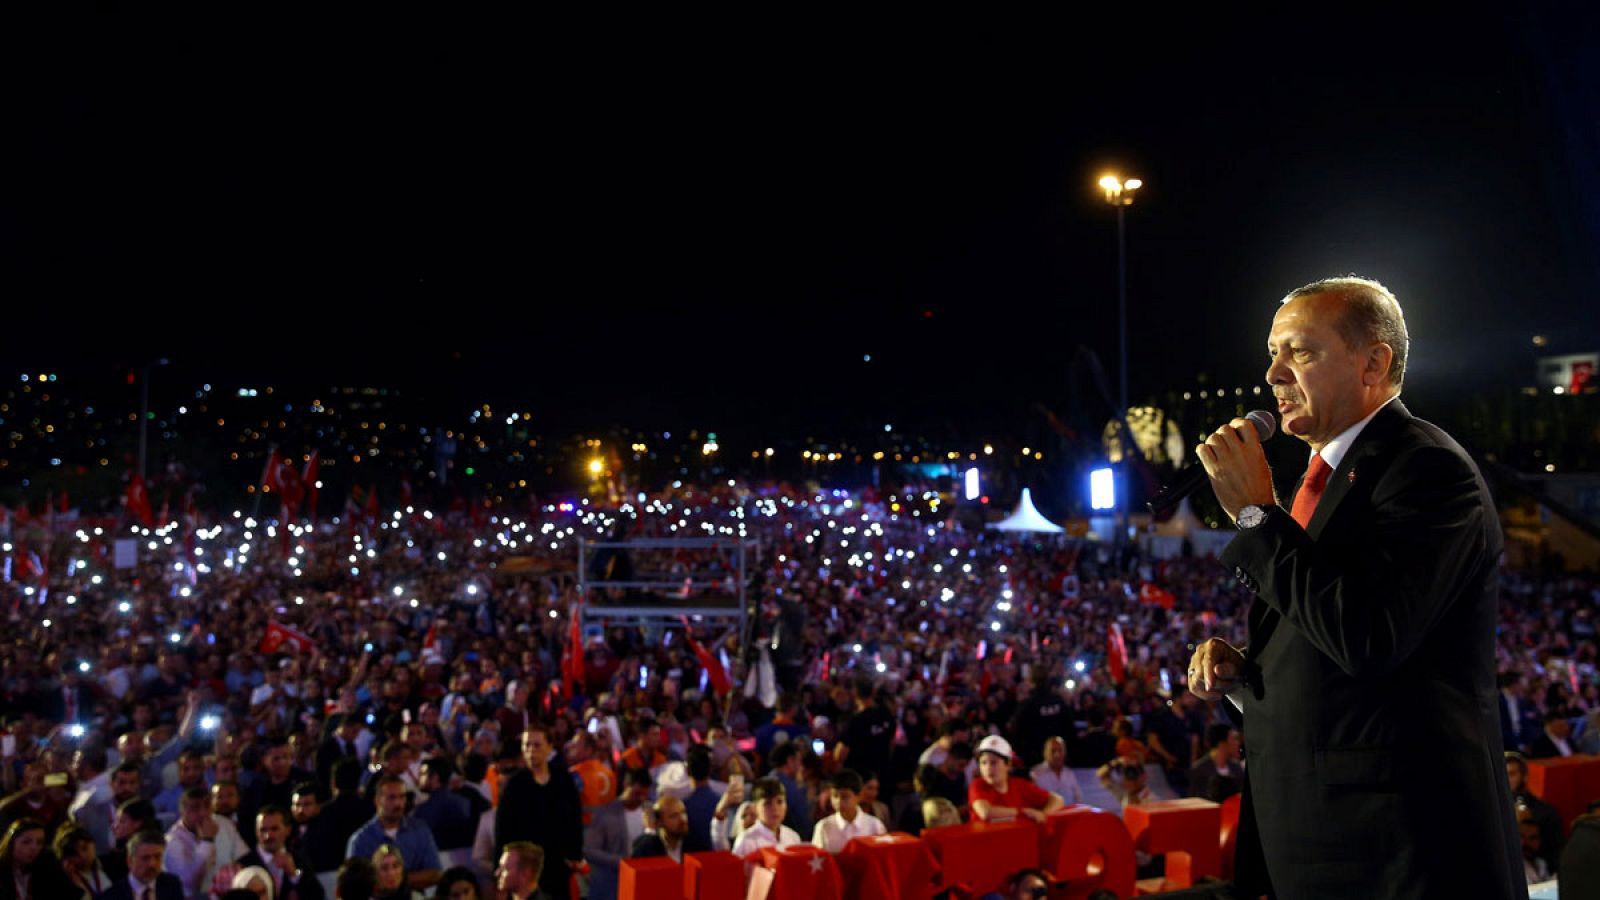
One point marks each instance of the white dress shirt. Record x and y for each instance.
(758, 835)
(1063, 785)
(196, 862)
(832, 833)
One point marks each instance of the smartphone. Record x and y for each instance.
(8, 746)
(818, 747)
(736, 783)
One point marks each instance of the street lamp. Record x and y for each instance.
(1119, 194)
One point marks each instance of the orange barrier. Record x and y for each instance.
(1083, 848)
(1568, 783)
(1185, 830)
(714, 875)
(1229, 838)
(649, 878)
(888, 867)
(978, 857)
(1088, 849)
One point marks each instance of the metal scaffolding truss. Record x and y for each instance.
(661, 597)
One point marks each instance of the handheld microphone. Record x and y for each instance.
(1191, 478)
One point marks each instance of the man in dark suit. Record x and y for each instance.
(145, 880)
(348, 810)
(275, 788)
(669, 831)
(314, 832)
(292, 876)
(1519, 717)
(1552, 741)
(341, 744)
(1552, 834)
(1368, 684)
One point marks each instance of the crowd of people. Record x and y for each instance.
(401, 706)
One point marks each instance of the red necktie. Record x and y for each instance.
(1311, 488)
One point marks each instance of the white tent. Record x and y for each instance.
(1026, 518)
(1167, 540)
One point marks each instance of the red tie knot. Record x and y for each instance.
(1317, 473)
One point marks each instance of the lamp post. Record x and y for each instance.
(144, 409)
(1119, 194)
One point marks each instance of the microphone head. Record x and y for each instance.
(1266, 423)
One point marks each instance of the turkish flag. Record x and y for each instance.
(1116, 653)
(372, 504)
(572, 664)
(276, 636)
(720, 683)
(1152, 595)
(888, 867)
(801, 872)
(139, 501)
(269, 472)
(291, 489)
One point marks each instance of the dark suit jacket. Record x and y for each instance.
(168, 887)
(1373, 733)
(1544, 748)
(650, 844)
(330, 752)
(1516, 734)
(307, 887)
(346, 813)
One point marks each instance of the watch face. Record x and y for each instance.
(1251, 516)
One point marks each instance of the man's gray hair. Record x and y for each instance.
(1372, 315)
(144, 838)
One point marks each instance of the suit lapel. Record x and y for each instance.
(1369, 443)
(1263, 619)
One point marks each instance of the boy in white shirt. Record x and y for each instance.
(851, 821)
(769, 831)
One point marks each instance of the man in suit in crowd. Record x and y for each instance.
(616, 825)
(341, 744)
(145, 880)
(1552, 833)
(292, 875)
(1368, 683)
(1552, 741)
(669, 833)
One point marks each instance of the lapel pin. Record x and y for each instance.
(1351, 477)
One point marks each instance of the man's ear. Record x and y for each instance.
(1379, 359)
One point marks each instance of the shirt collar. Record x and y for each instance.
(1333, 451)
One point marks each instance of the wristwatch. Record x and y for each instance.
(1251, 517)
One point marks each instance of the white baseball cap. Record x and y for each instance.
(994, 743)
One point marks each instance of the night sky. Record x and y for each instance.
(711, 224)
